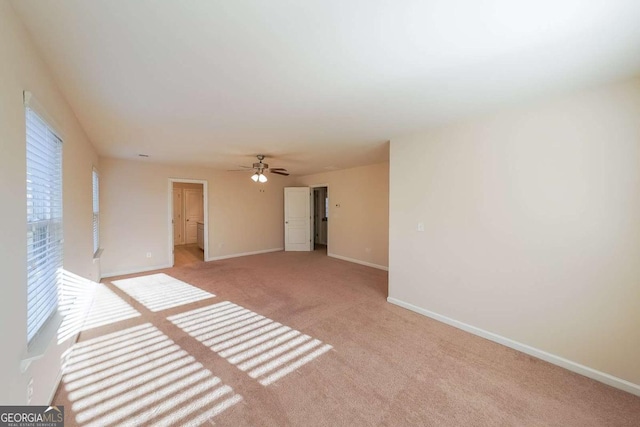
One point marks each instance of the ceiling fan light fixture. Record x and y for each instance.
(260, 168)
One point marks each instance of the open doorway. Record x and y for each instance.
(188, 221)
(320, 218)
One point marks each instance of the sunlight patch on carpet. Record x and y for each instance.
(140, 376)
(161, 291)
(85, 304)
(107, 308)
(265, 349)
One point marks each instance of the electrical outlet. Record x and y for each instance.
(29, 391)
(421, 226)
(148, 254)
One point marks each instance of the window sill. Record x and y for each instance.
(41, 342)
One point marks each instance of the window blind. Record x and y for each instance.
(44, 221)
(96, 212)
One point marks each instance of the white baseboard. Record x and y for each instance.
(161, 267)
(60, 371)
(532, 351)
(357, 261)
(57, 385)
(264, 251)
(134, 271)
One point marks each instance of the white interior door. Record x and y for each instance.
(178, 235)
(297, 219)
(193, 212)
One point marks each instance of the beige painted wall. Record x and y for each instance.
(243, 216)
(23, 69)
(358, 212)
(532, 225)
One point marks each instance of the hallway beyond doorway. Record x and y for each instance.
(184, 255)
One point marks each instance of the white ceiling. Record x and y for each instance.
(316, 84)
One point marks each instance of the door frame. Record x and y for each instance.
(181, 222)
(205, 208)
(313, 219)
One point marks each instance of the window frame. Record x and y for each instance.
(95, 195)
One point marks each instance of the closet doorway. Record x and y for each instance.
(188, 221)
(320, 218)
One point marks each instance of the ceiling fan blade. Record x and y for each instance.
(244, 169)
(279, 172)
(278, 169)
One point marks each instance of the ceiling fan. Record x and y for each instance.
(260, 168)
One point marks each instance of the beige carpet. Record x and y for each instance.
(305, 340)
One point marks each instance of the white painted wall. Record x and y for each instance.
(243, 216)
(23, 69)
(531, 225)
